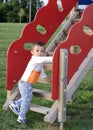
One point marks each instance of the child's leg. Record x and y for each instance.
(26, 96)
(15, 106)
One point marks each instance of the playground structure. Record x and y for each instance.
(70, 67)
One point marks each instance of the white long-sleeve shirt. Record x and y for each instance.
(35, 69)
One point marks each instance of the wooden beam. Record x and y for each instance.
(39, 109)
(79, 75)
(49, 53)
(62, 85)
(48, 66)
(11, 98)
(45, 80)
(42, 93)
(53, 113)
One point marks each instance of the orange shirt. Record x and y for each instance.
(35, 69)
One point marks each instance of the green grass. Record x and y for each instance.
(79, 111)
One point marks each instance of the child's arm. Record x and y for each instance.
(43, 59)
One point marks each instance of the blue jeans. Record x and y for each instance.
(26, 96)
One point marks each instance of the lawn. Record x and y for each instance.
(79, 111)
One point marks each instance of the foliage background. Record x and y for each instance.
(9, 11)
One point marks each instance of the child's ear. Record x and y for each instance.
(31, 51)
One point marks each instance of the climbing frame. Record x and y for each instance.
(45, 18)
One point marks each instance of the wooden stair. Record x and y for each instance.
(37, 93)
(42, 93)
(62, 34)
(50, 113)
(46, 95)
(45, 80)
(39, 109)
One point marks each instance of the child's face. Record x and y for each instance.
(38, 50)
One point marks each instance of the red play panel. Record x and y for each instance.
(76, 36)
(49, 17)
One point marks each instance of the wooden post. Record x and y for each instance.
(62, 87)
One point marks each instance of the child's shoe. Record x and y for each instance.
(21, 120)
(14, 108)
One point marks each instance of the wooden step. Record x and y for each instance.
(48, 66)
(79, 10)
(49, 53)
(57, 42)
(65, 31)
(75, 20)
(61, 36)
(45, 80)
(39, 109)
(86, 31)
(42, 93)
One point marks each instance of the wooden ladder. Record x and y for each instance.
(51, 114)
(65, 27)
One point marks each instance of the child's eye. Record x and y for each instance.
(37, 50)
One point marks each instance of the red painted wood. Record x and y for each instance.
(50, 18)
(76, 37)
